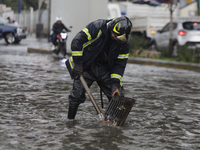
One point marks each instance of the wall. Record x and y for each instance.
(78, 13)
(189, 10)
(26, 19)
(183, 3)
(6, 14)
(136, 10)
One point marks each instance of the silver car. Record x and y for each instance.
(185, 31)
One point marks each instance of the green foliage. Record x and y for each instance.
(184, 54)
(31, 3)
(26, 4)
(187, 54)
(136, 43)
(164, 53)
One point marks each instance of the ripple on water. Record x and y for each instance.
(34, 93)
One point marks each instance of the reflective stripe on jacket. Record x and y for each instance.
(90, 41)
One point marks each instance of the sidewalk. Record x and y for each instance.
(164, 63)
(43, 46)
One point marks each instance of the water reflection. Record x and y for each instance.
(33, 109)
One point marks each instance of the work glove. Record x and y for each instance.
(116, 90)
(77, 70)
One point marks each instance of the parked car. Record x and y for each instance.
(185, 32)
(11, 33)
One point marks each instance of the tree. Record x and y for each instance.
(25, 4)
(172, 4)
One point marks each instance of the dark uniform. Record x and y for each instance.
(101, 58)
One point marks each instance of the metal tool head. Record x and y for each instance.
(118, 110)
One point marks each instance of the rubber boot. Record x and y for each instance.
(72, 111)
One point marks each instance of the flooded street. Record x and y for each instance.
(34, 91)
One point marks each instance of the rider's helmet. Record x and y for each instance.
(58, 18)
(120, 27)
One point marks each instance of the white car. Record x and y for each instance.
(185, 31)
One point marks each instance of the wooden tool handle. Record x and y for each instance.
(92, 98)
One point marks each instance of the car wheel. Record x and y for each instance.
(9, 38)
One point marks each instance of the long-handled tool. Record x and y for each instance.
(101, 116)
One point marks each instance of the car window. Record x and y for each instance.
(174, 26)
(2, 21)
(167, 27)
(191, 25)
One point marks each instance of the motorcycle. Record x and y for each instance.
(61, 43)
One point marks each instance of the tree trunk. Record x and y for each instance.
(171, 29)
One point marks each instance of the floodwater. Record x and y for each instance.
(34, 91)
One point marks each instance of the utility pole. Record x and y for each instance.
(19, 11)
(49, 18)
(31, 20)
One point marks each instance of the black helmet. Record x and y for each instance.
(120, 27)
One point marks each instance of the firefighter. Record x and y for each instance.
(99, 53)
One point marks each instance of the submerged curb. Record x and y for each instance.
(168, 64)
(38, 50)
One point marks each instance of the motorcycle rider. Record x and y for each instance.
(100, 53)
(58, 26)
